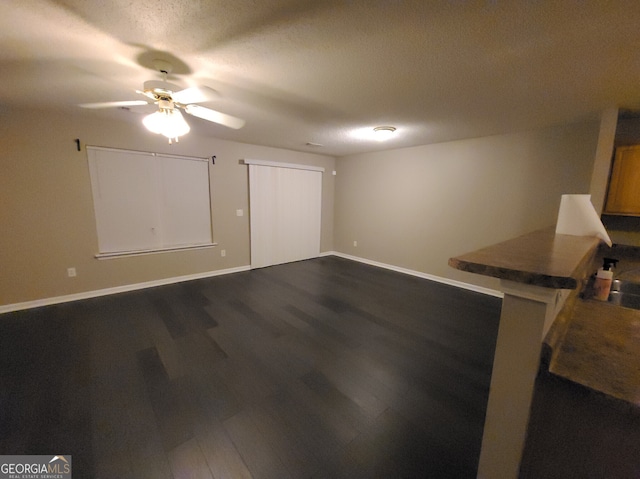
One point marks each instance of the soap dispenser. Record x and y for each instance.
(604, 278)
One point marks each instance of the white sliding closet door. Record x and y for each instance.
(285, 214)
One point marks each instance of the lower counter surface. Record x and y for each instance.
(601, 350)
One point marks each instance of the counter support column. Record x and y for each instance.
(527, 313)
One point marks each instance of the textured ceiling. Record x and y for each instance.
(329, 71)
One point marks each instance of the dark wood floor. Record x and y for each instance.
(318, 369)
(577, 433)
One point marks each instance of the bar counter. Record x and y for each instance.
(541, 258)
(541, 275)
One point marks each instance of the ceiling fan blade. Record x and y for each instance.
(214, 116)
(147, 93)
(195, 94)
(113, 104)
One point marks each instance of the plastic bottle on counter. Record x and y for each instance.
(604, 278)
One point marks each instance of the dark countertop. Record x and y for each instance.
(601, 349)
(541, 258)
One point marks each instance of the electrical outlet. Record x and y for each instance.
(355, 243)
(239, 213)
(71, 272)
(223, 252)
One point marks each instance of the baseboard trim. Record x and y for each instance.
(118, 289)
(8, 308)
(419, 274)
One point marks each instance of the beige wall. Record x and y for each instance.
(46, 210)
(412, 208)
(417, 207)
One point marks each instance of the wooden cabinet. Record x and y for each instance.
(624, 187)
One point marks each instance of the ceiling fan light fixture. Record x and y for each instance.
(154, 122)
(167, 122)
(383, 133)
(176, 125)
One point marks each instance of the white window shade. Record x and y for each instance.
(149, 202)
(186, 212)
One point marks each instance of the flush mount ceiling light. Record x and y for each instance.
(383, 133)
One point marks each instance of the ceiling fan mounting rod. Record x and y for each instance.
(163, 67)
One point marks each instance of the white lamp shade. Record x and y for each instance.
(154, 122)
(175, 125)
(169, 123)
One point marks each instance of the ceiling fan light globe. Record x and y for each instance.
(174, 125)
(169, 123)
(154, 122)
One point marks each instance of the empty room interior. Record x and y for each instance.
(320, 239)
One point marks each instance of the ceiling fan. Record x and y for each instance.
(170, 99)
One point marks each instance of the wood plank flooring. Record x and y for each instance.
(576, 432)
(324, 368)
